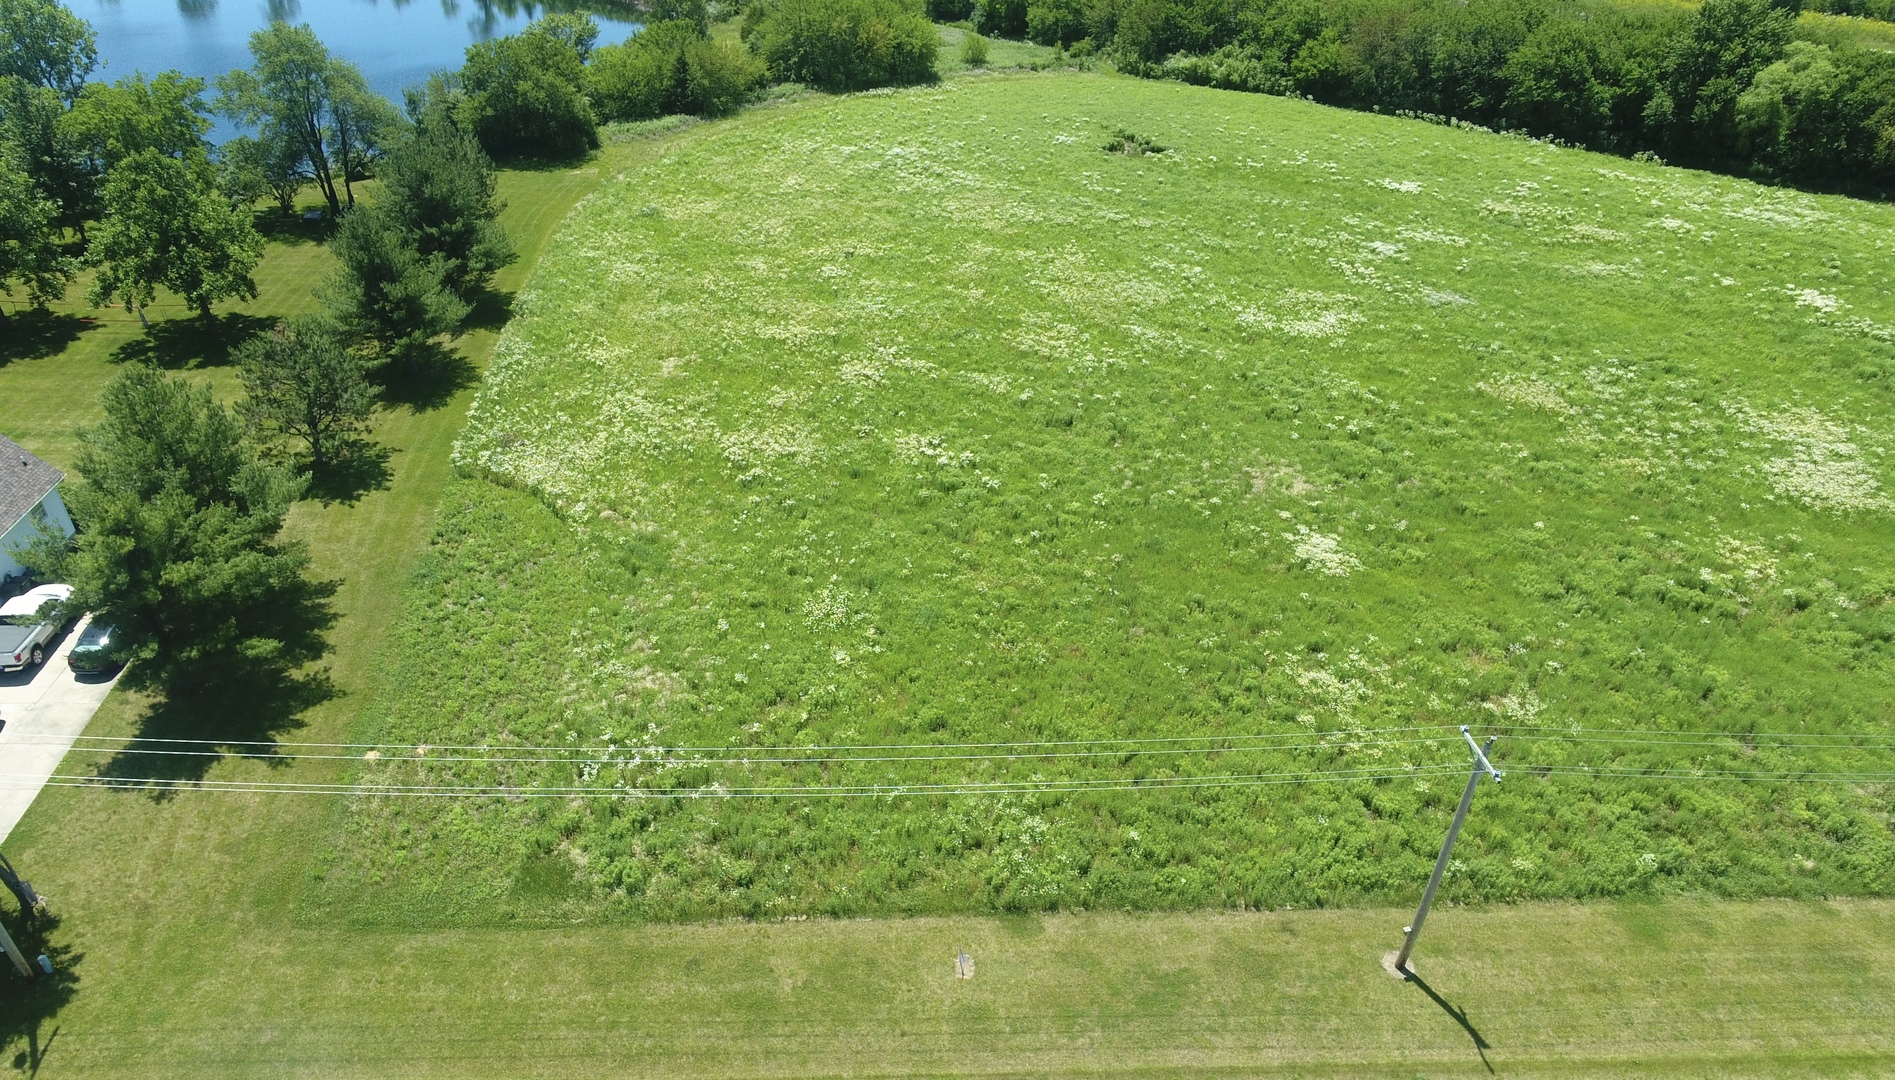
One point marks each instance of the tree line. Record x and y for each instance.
(1733, 85)
(180, 500)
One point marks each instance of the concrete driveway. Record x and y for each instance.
(45, 709)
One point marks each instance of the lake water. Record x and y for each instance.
(396, 44)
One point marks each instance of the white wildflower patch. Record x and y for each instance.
(1750, 561)
(1322, 552)
(748, 446)
(863, 373)
(1523, 707)
(994, 382)
(918, 449)
(1406, 187)
(1812, 298)
(1305, 313)
(1049, 338)
(1431, 236)
(831, 609)
(1821, 465)
(1528, 391)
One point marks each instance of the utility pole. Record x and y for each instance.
(30, 902)
(1481, 765)
(13, 952)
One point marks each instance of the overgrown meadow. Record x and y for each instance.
(922, 418)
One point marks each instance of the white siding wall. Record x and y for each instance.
(54, 511)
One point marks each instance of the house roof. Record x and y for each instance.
(24, 481)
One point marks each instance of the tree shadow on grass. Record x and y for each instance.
(230, 702)
(425, 378)
(36, 333)
(354, 470)
(193, 342)
(491, 310)
(291, 229)
(1459, 1015)
(28, 1005)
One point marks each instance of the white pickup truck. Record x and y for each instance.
(26, 635)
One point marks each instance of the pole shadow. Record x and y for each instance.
(27, 1006)
(1481, 1045)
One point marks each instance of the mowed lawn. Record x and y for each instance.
(189, 944)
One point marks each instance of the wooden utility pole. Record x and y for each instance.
(20, 887)
(1481, 765)
(13, 952)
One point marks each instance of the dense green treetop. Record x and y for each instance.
(301, 381)
(46, 45)
(844, 44)
(525, 94)
(439, 188)
(109, 123)
(385, 291)
(30, 255)
(178, 526)
(164, 225)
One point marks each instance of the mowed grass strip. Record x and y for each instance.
(1071, 407)
(135, 879)
(1675, 989)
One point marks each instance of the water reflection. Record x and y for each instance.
(396, 43)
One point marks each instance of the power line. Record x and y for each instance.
(1624, 736)
(1128, 740)
(793, 791)
(602, 754)
(914, 790)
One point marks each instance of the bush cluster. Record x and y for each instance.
(1725, 85)
(844, 45)
(671, 67)
(525, 94)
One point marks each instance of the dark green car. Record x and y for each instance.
(95, 651)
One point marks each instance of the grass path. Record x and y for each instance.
(1763, 989)
(109, 862)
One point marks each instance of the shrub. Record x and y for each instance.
(842, 45)
(719, 77)
(1055, 22)
(524, 95)
(644, 77)
(974, 50)
(1001, 18)
(671, 67)
(1233, 67)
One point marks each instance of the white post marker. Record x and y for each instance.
(1481, 765)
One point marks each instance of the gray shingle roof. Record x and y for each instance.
(24, 481)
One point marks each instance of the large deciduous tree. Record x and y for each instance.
(45, 45)
(109, 123)
(179, 521)
(30, 255)
(164, 225)
(298, 95)
(302, 382)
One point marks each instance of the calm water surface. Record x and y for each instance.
(395, 44)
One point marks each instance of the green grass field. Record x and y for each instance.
(222, 935)
(1334, 429)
